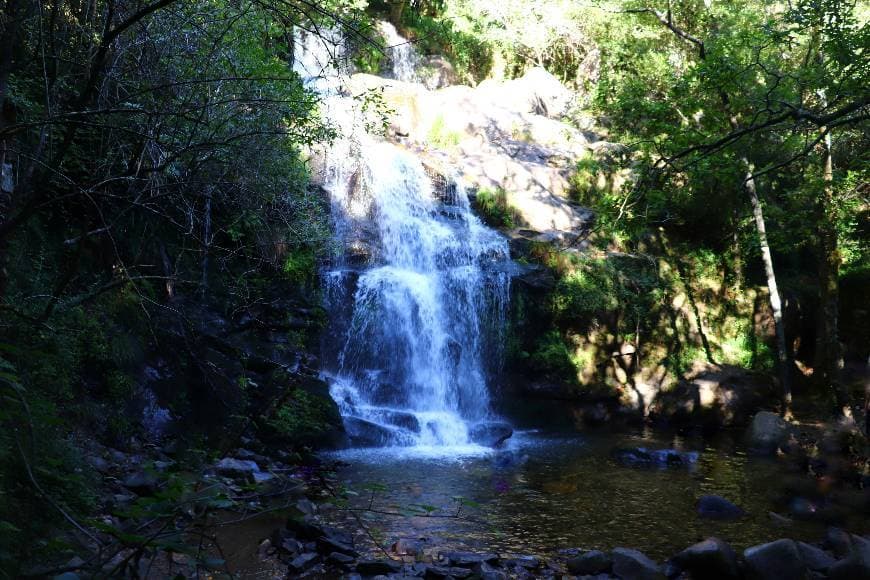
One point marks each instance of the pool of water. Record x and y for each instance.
(546, 492)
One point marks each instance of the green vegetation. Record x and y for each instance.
(442, 137)
(157, 221)
(494, 208)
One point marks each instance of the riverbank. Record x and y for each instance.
(539, 505)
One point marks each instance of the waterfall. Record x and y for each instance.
(416, 293)
(403, 57)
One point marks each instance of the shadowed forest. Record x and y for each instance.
(434, 288)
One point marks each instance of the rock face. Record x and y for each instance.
(721, 395)
(767, 432)
(499, 136)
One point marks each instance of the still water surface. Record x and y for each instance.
(548, 492)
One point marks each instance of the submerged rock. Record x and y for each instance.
(642, 457)
(716, 507)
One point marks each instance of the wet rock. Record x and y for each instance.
(303, 562)
(141, 482)
(490, 434)
(775, 561)
(527, 562)
(99, 464)
(533, 276)
(237, 468)
(447, 572)
(780, 520)
(375, 567)
(844, 544)
(326, 545)
(407, 547)
(642, 457)
(304, 530)
(486, 571)
(469, 559)
(590, 563)
(715, 507)
(767, 432)
(712, 558)
(851, 568)
(631, 564)
(363, 433)
(815, 558)
(341, 559)
(291, 546)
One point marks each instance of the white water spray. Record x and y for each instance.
(416, 295)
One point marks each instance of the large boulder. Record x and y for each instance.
(767, 432)
(631, 564)
(721, 395)
(815, 558)
(712, 558)
(490, 433)
(537, 91)
(365, 433)
(774, 561)
(590, 563)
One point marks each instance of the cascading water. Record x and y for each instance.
(416, 294)
(403, 57)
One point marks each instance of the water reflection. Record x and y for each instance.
(548, 493)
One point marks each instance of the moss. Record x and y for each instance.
(304, 418)
(300, 267)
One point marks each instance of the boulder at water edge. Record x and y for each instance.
(712, 559)
(775, 561)
(767, 432)
(491, 434)
(590, 563)
(631, 564)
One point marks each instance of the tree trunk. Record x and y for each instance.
(775, 301)
(206, 242)
(829, 359)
